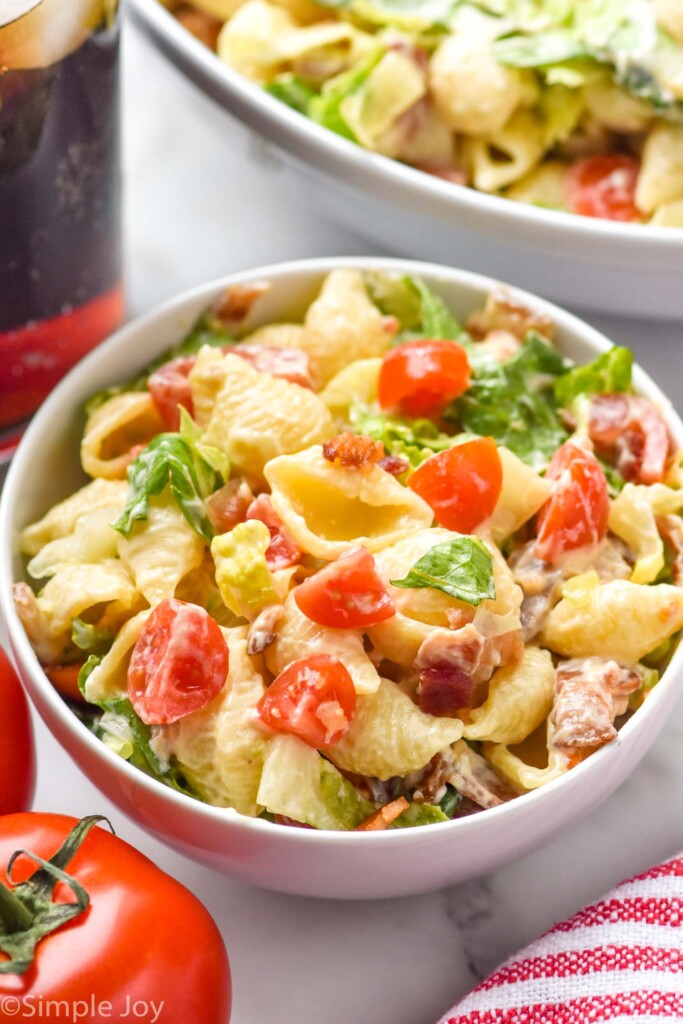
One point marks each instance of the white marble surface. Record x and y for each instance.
(204, 199)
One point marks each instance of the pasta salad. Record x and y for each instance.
(375, 569)
(571, 106)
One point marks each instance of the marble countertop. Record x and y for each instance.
(204, 198)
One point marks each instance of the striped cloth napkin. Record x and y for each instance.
(618, 960)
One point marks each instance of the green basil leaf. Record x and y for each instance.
(608, 373)
(170, 460)
(461, 568)
(515, 402)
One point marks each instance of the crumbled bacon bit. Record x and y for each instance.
(444, 690)
(236, 301)
(431, 787)
(382, 818)
(283, 551)
(202, 26)
(504, 312)
(473, 776)
(630, 431)
(48, 648)
(500, 345)
(262, 632)
(394, 465)
(353, 451)
(456, 175)
(290, 364)
(228, 506)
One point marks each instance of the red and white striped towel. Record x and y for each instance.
(618, 960)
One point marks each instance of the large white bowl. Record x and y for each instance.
(580, 262)
(334, 864)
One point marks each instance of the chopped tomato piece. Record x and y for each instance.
(170, 387)
(64, 678)
(421, 377)
(576, 514)
(313, 698)
(631, 431)
(462, 484)
(346, 594)
(605, 187)
(179, 663)
(283, 550)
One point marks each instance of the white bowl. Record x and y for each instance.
(333, 864)
(578, 261)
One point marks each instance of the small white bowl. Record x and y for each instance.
(624, 269)
(330, 864)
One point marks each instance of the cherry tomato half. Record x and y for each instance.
(17, 758)
(179, 663)
(420, 377)
(169, 387)
(462, 485)
(346, 594)
(313, 698)
(605, 187)
(576, 514)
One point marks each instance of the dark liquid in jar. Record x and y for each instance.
(60, 243)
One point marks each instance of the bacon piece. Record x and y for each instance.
(290, 364)
(353, 451)
(472, 776)
(589, 694)
(501, 345)
(394, 465)
(447, 661)
(202, 26)
(382, 818)
(283, 550)
(233, 306)
(456, 175)
(430, 784)
(263, 632)
(228, 506)
(504, 312)
(630, 431)
(671, 531)
(48, 648)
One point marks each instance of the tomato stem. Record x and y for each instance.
(27, 911)
(14, 916)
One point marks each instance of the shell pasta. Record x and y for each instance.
(375, 568)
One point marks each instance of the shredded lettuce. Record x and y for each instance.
(461, 568)
(420, 814)
(325, 108)
(413, 440)
(342, 799)
(90, 638)
(608, 373)
(515, 402)
(242, 574)
(451, 800)
(413, 16)
(293, 90)
(175, 461)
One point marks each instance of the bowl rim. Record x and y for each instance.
(294, 131)
(49, 414)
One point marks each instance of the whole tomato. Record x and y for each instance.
(17, 758)
(117, 938)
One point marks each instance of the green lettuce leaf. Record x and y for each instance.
(461, 568)
(515, 402)
(174, 461)
(413, 440)
(450, 802)
(610, 372)
(342, 799)
(420, 814)
(293, 90)
(242, 574)
(90, 638)
(325, 108)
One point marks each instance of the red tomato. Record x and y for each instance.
(420, 377)
(96, 958)
(577, 511)
(179, 663)
(64, 678)
(631, 431)
(170, 387)
(604, 186)
(17, 758)
(346, 594)
(462, 484)
(313, 698)
(283, 550)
